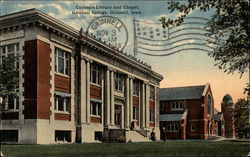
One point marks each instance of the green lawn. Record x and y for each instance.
(152, 149)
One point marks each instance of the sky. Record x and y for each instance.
(188, 67)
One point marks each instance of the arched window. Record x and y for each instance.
(209, 104)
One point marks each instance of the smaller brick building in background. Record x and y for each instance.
(187, 112)
(227, 108)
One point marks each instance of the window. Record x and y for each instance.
(172, 128)
(177, 105)
(9, 135)
(152, 93)
(61, 135)
(136, 112)
(118, 82)
(10, 50)
(135, 88)
(95, 74)
(11, 103)
(62, 103)
(98, 135)
(209, 104)
(118, 115)
(162, 106)
(192, 128)
(152, 116)
(95, 108)
(62, 61)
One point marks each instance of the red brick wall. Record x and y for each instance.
(95, 120)
(95, 92)
(198, 131)
(173, 135)
(167, 107)
(151, 124)
(228, 120)
(62, 83)
(61, 116)
(195, 110)
(30, 79)
(151, 104)
(183, 129)
(135, 101)
(43, 80)
(37, 80)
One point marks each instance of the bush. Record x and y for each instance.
(121, 139)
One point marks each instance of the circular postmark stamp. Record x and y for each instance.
(110, 30)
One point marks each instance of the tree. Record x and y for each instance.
(230, 23)
(241, 117)
(9, 77)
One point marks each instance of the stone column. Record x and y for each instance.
(157, 107)
(83, 92)
(130, 100)
(88, 91)
(147, 105)
(142, 106)
(103, 96)
(127, 102)
(112, 105)
(107, 97)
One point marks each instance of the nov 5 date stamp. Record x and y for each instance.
(110, 30)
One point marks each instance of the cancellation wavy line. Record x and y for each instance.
(185, 44)
(166, 44)
(199, 18)
(184, 34)
(191, 28)
(188, 23)
(168, 54)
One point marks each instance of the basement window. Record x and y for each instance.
(98, 136)
(62, 136)
(9, 135)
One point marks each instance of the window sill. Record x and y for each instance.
(177, 109)
(173, 131)
(94, 84)
(10, 110)
(135, 95)
(62, 112)
(95, 116)
(119, 91)
(60, 74)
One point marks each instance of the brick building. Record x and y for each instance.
(187, 112)
(74, 88)
(219, 123)
(227, 109)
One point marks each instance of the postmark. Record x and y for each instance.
(110, 30)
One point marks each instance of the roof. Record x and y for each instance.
(170, 117)
(227, 99)
(180, 93)
(173, 117)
